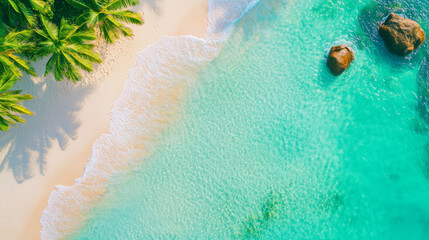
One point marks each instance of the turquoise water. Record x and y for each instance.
(271, 146)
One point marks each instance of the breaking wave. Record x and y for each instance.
(149, 102)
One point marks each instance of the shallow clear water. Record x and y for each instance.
(270, 145)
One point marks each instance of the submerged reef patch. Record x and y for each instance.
(256, 223)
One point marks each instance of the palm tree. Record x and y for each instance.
(108, 16)
(11, 46)
(68, 47)
(21, 13)
(10, 102)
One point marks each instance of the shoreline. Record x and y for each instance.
(69, 149)
(150, 102)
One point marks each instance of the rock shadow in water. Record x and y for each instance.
(423, 91)
(374, 14)
(421, 122)
(326, 78)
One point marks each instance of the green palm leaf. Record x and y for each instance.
(50, 29)
(69, 49)
(26, 13)
(79, 4)
(42, 7)
(22, 13)
(11, 47)
(14, 5)
(120, 4)
(108, 16)
(11, 103)
(127, 17)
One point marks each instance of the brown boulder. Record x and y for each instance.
(339, 59)
(401, 35)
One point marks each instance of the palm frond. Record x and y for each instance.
(82, 36)
(106, 32)
(127, 17)
(8, 66)
(11, 103)
(70, 50)
(19, 36)
(50, 65)
(7, 82)
(50, 29)
(120, 4)
(66, 30)
(22, 64)
(14, 5)
(44, 48)
(79, 4)
(41, 6)
(109, 17)
(26, 13)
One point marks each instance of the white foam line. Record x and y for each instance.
(149, 102)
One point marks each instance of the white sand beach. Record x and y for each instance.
(54, 145)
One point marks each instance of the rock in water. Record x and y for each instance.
(401, 35)
(339, 59)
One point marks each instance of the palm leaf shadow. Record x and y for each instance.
(55, 105)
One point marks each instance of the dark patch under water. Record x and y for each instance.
(341, 145)
(257, 222)
(370, 19)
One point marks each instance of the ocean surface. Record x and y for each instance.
(266, 144)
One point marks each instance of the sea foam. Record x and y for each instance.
(149, 102)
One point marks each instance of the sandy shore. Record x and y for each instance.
(54, 145)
